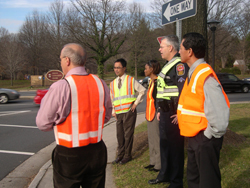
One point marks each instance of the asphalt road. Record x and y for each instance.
(19, 136)
(20, 139)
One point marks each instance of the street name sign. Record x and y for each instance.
(178, 10)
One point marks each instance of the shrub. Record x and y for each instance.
(234, 70)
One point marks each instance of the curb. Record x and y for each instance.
(26, 97)
(22, 175)
(40, 175)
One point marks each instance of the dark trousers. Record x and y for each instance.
(203, 161)
(83, 166)
(125, 127)
(172, 151)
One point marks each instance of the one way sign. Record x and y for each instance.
(178, 10)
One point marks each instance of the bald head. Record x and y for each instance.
(75, 53)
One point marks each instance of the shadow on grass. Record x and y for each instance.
(241, 126)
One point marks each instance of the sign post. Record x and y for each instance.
(177, 10)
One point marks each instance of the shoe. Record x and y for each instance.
(118, 159)
(149, 166)
(125, 160)
(155, 181)
(153, 169)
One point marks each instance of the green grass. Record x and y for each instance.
(234, 160)
(18, 85)
(242, 76)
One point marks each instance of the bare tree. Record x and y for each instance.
(57, 35)
(226, 12)
(139, 30)
(13, 56)
(100, 28)
(4, 33)
(33, 35)
(242, 30)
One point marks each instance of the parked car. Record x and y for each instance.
(145, 82)
(231, 83)
(246, 79)
(8, 94)
(39, 95)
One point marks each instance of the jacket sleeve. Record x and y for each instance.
(215, 108)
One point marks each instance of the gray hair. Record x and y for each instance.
(75, 56)
(173, 41)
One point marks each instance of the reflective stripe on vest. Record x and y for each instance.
(190, 112)
(123, 97)
(85, 122)
(163, 90)
(150, 109)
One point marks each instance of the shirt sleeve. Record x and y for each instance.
(107, 102)
(113, 108)
(215, 108)
(141, 92)
(55, 106)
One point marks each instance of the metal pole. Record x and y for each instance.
(179, 29)
(213, 52)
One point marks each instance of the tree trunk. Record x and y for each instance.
(223, 62)
(135, 66)
(11, 77)
(101, 70)
(197, 23)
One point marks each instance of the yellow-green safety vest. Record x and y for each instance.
(123, 97)
(163, 90)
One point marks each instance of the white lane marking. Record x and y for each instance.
(19, 126)
(17, 152)
(6, 113)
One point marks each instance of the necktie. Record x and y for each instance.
(120, 83)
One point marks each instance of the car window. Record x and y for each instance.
(222, 77)
(232, 77)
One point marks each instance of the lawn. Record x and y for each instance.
(234, 160)
(17, 84)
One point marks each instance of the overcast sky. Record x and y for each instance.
(14, 12)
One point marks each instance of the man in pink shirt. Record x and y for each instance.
(76, 108)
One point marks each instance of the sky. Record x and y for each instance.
(14, 12)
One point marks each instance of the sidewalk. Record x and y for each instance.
(39, 165)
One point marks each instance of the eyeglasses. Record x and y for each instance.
(117, 67)
(60, 59)
(164, 46)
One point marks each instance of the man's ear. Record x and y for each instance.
(171, 48)
(67, 61)
(190, 52)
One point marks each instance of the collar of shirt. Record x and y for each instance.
(193, 67)
(77, 70)
(122, 77)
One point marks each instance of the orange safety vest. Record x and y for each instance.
(190, 112)
(85, 122)
(150, 109)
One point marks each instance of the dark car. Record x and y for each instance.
(39, 95)
(145, 81)
(246, 79)
(231, 83)
(8, 94)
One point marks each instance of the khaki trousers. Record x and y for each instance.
(125, 127)
(154, 143)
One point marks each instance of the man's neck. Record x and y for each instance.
(121, 75)
(172, 55)
(191, 61)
